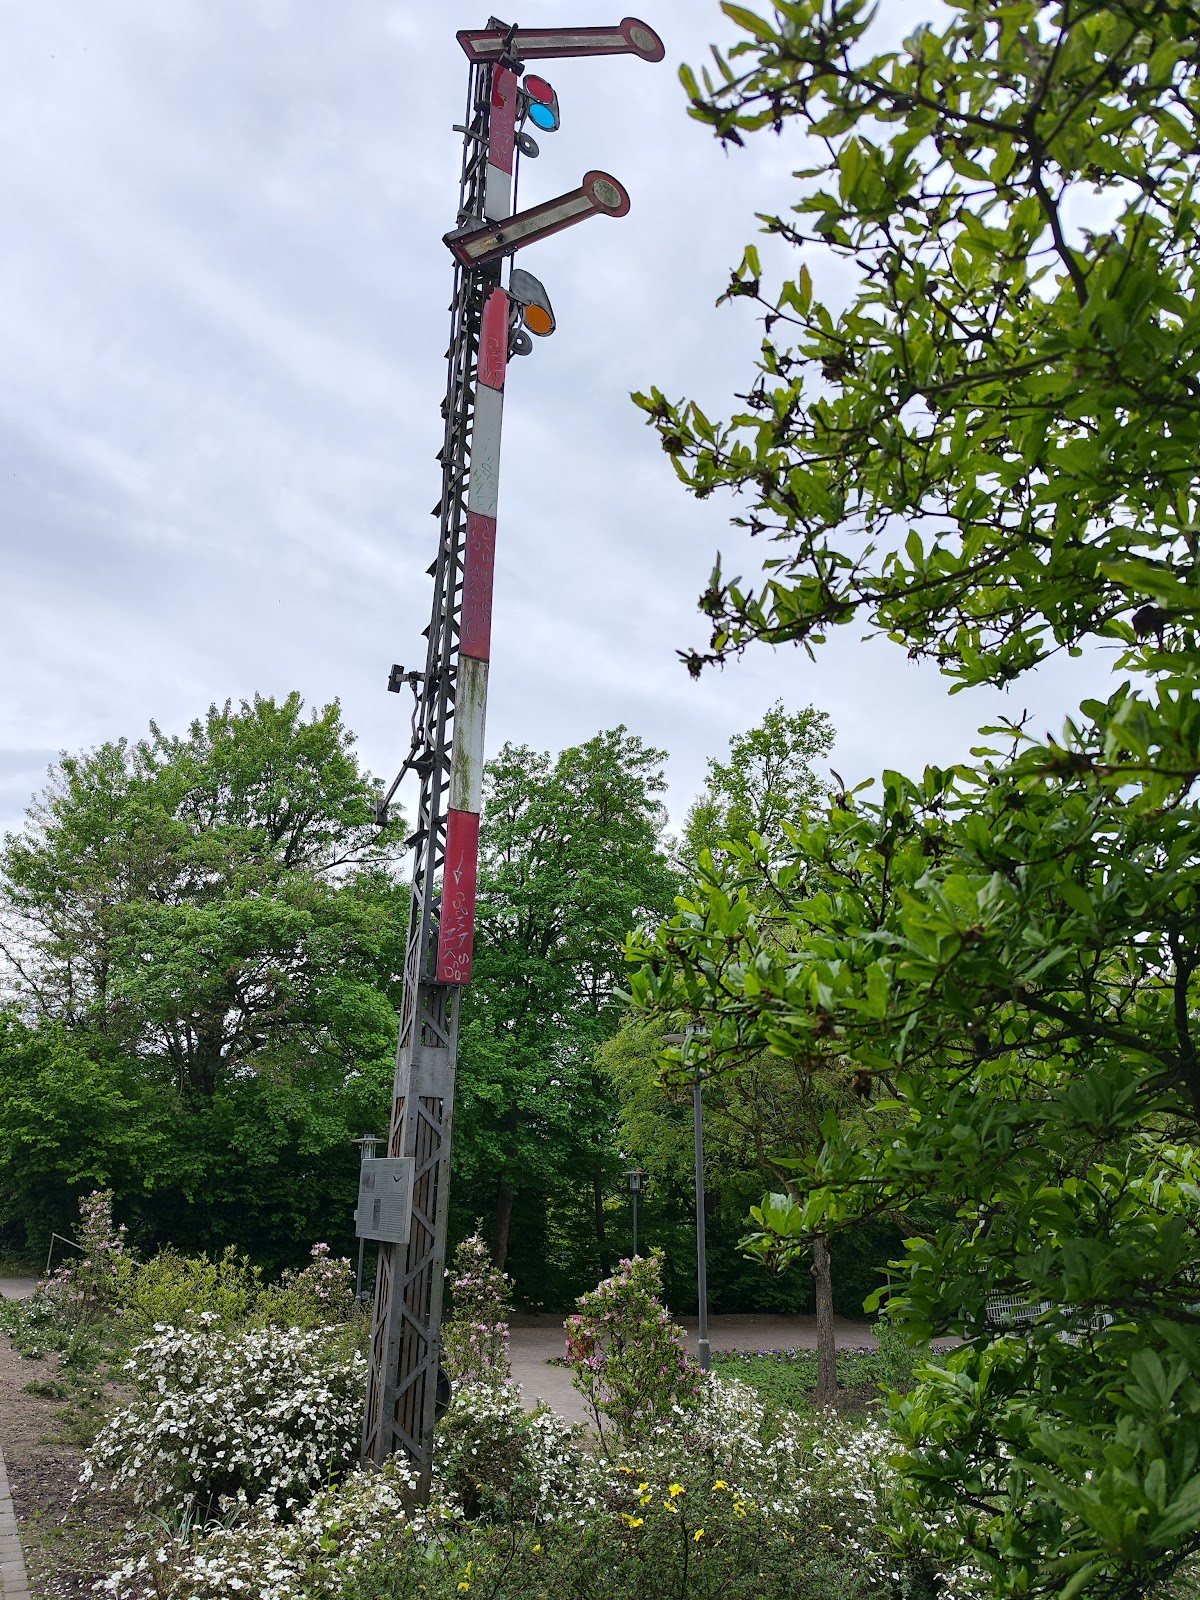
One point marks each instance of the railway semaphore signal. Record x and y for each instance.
(491, 321)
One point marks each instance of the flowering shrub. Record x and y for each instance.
(811, 1478)
(86, 1286)
(223, 1419)
(320, 1294)
(557, 1519)
(627, 1357)
(351, 1526)
(475, 1334)
(494, 1459)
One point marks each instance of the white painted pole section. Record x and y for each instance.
(483, 490)
(470, 713)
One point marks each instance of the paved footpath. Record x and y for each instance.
(13, 1582)
(532, 1341)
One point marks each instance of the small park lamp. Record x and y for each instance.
(685, 1039)
(367, 1146)
(637, 1187)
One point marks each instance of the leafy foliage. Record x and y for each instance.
(211, 903)
(990, 450)
(627, 1357)
(203, 938)
(571, 852)
(988, 454)
(475, 1333)
(768, 779)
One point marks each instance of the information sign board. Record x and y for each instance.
(385, 1188)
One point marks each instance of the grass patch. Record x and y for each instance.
(789, 1377)
(47, 1389)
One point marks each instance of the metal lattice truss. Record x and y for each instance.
(403, 1358)
(451, 697)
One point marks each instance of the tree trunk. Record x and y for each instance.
(822, 1271)
(598, 1196)
(504, 1210)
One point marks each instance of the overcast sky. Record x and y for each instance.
(222, 321)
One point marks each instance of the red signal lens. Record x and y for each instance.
(538, 89)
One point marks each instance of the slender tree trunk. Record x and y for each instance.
(598, 1196)
(822, 1271)
(504, 1210)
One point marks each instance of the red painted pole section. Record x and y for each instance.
(456, 932)
(456, 936)
(479, 569)
(493, 341)
(502, 138)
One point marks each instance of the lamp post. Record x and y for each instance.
(367, 1146)
(685, 1039)
(637, 1185)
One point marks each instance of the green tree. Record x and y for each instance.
(989, 454)
(759, 1117)
(768, 780)
(214, 904)
(202, 935)
(761, 1114)
(572, 852)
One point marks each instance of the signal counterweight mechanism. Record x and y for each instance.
(488, 323)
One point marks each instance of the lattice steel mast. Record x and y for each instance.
(451, 692)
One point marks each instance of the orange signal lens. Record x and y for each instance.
(538, 320)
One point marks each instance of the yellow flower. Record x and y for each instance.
(671, 1506)
(676, 1488)
(739, 1507)
(537, 1549)
(720, 1484)
(629, 1470)
(699, 1533)
(642, 1487)
(645, 1500)
(631, 1522)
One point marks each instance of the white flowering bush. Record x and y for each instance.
(361, 1523)
(825, 1484)
(527, 1506)
(496, 1460)
(232, 1419)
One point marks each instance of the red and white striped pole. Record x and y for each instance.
(456, 932)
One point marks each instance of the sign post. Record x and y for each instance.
(489, 322)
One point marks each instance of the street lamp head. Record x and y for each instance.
(688, 1034)
(637, 1180)
(367, 1145)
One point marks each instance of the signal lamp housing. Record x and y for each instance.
(541, 103)
(529, 293)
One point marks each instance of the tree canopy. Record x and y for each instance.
(216, 904)
(203, 936)
(988, 454)
(572, 850)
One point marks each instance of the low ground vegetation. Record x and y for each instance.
(235, 1432)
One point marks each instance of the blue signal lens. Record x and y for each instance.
(542, 117)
